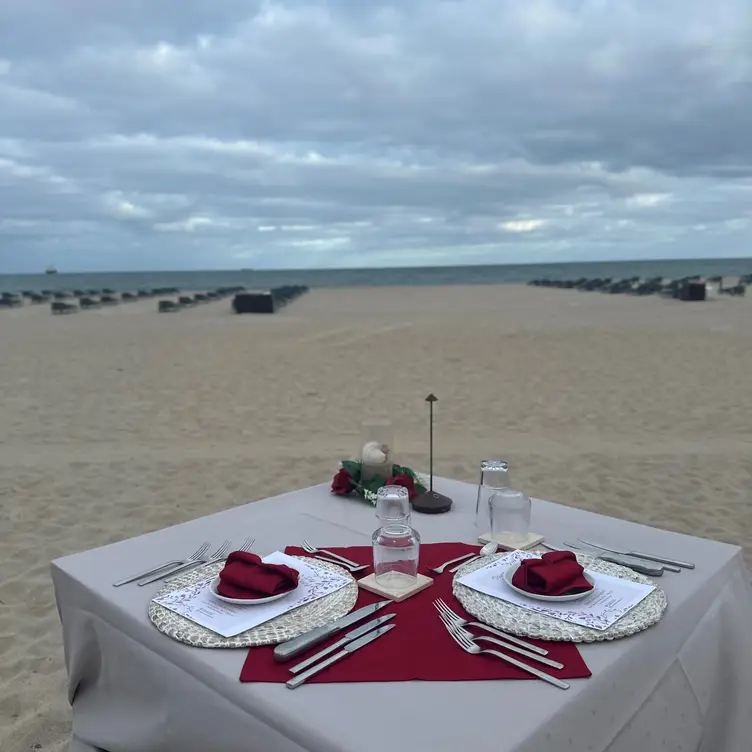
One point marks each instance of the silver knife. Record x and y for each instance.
(286, 651)
(643, 567)
(349, 637)
(640, 555)
(351, 647)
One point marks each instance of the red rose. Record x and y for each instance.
(342, 483)
(405, 481)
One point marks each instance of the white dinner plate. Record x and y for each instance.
(550, 598)
(246, 601)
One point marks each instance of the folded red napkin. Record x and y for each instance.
(246, 576)
(555, 573)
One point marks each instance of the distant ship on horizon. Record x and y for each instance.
(50, 270)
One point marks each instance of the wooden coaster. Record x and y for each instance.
(369, 583)
(512, 541)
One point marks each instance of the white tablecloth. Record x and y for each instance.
(683, 685)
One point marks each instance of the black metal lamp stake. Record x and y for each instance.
(430, 399)
(431, 502)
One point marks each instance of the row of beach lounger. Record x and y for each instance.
(93, 299)
(62, 301)
(67, 302)
(190, 301)
(184, 301)
(686, 288)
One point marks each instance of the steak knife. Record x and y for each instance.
(351, 647)
(643, 567)
(286, 651)
(640, 555)
(349, 637)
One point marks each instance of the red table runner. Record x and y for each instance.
(420, 647)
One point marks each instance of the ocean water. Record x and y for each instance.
(444, 275)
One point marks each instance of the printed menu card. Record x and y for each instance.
(609, 600)
(197, 602)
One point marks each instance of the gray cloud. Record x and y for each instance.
(186, 134)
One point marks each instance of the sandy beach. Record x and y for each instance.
(120, 421)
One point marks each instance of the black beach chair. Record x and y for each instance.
(254, 302)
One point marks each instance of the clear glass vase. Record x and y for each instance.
(396, 546)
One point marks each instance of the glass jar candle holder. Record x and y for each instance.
(377, 448)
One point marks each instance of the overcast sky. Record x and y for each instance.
(181, 134)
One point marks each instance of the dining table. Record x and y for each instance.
(684, 684)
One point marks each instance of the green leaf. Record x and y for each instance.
(353, 468)
(374, 484)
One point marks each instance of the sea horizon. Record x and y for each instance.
(377, 276)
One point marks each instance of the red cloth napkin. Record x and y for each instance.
(246, 576)
(420, 647)
(555, 573)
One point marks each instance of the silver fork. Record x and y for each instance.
(222, 551)
(247, 546)
(195, 556)
(440, 569)
(449, 623)
(313, 550)
(460, 622)
(460, 636)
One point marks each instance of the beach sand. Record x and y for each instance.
(122, 421)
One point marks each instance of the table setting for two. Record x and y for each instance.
(399, 610)
(491, 609)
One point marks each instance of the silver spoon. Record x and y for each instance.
(488, 550)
